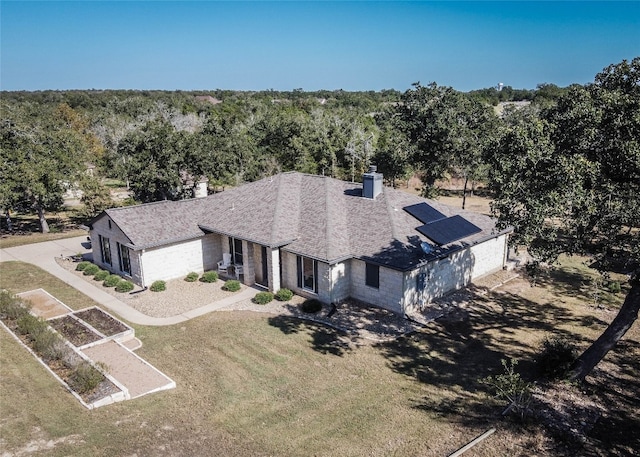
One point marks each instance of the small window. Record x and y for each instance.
(109, 224)
(125, 260)
(372, 275)
(307, 274)
(105, 250)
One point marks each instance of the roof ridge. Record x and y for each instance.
(390, 211)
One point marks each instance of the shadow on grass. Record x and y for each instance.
(323, 339)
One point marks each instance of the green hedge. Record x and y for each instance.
(111, 281)
(262, 298)
(124, 286)
(284, 295)
(158, 286)
(192, 277)
(232, 285)
(209, 276)
(82, 265)
(311, 306)
(90, 270)
(101, 275)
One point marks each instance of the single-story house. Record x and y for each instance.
(316, 235)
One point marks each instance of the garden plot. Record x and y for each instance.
(103, 339)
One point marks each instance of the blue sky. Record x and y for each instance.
(197, 45)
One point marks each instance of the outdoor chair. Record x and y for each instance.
(224, 264)
(239, 271)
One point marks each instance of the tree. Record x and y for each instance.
(446, 129)
(568, 179)
(95, 196)
(42, 154)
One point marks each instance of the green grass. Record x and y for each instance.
(249, 384)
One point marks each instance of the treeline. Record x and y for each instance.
(161, 142)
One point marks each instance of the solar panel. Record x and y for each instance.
(424, 213)
(445, 231)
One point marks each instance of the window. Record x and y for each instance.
(235, 248)
(105, 249)
(125, 261)
(372, 275)
(307, 274)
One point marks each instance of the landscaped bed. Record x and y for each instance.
(101, 321)
(74, 331)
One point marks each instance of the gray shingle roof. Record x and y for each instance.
(315, 216)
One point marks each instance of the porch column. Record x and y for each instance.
(248, 263)
(273, 269)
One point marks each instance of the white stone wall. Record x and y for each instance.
(273, 267)
(489, 256)
(390, 293)
(454, 272)
(178, 259)
(115, 236)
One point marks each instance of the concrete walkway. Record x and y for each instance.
(43, 255)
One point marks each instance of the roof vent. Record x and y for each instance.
(371, 183)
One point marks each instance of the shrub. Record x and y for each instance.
(232, 285)
(158, 286)
(111, 281)
(284, 295)
(556, 356)
(192, 277)
(124, 286)
(11, 307)
(209, 276)
(90, 270)
(31, 326)
(311, 306)
(511, 388)
(101, 275)
(262, 298)
(82, 265)
(49, 345)
(85, 378)
(614, 287)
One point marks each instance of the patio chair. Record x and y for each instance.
(224, 264)
(239, 271)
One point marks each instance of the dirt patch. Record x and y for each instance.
(74, 331)
(101, 321)
(44, 305)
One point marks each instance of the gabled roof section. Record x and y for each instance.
(158, 223)
(315, 216)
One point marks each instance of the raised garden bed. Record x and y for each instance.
(74, 331)
(102, 321)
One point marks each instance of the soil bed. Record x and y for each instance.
(101, 321)
(77, 333)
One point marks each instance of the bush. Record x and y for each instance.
(311, 306)
(31, 326)
(49, 345)
(11, 307)
(614, 287)
(192, 277)
(232, 285)
(209, 276)
(262, 298)
(82, 265)
(158, 286)
(511, 388)
(90, 270)
(284, 295)
(111, 281)
(101, 275)
(556, 357)
(85, 378)
(124, 286)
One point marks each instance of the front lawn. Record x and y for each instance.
(249, 384)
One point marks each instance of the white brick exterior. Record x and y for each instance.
(388, 295)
